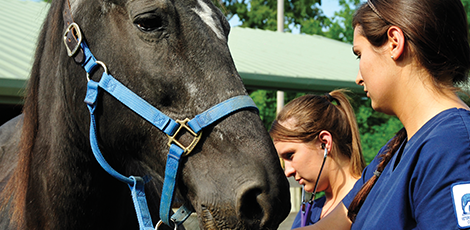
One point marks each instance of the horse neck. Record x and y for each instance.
(64, 181)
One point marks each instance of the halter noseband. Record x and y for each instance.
(78, 49)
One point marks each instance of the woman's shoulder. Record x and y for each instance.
(456, 118)
(442, 152)
(446, 134)
(449, 126)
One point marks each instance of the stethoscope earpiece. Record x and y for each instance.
(326, 150)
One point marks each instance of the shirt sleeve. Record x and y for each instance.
(445, 164)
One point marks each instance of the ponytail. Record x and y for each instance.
(361, 196)
(357, 159)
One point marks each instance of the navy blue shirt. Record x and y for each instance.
(428, 187)
(314, 214)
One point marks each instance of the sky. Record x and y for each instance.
(329, 7)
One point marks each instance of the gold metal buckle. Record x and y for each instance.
(197, 137)
(102, 65)
(77, 34)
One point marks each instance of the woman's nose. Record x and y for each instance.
(359, 79)
(288, 170)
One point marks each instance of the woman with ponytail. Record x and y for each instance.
(413, 55)
(318, 139)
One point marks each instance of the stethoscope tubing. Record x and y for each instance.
(304, 207)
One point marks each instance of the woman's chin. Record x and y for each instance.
(308, 189)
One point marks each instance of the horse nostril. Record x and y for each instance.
(250, 209)
(255, 209)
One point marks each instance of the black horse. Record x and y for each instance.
(173, 54)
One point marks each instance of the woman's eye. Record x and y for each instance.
(288, 156)
(148, 24)
(358, 55)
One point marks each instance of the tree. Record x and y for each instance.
(304, 14)
(262, 14)
(466, 5)
(265, 100)
(337, 27)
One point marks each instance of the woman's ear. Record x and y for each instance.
(396, 42)
(326, 140)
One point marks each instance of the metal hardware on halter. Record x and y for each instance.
(161, 222)
(102, 65)
(190, 147)
(77, 34)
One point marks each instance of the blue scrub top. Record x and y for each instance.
(314, 215)
(428, 186)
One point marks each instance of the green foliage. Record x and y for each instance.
(262, 14)
(466, 5)
(266, 102)
(337, 27)
(304, 14)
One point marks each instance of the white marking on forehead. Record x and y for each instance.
(192, 89)
(206, 16)
(106, 6)
(73, 6)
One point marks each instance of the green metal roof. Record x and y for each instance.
(285, 61)
(264, 59)
(20, 22)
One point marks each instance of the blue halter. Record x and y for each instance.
(159, 120)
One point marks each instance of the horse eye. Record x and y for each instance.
(149, 23)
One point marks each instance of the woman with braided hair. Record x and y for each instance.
(413, 56)
(318, 139)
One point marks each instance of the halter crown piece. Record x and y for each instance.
(78, 49)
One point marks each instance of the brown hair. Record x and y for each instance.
(435, 30)
(310, 114)
(435, 34)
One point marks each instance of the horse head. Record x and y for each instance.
(174, 55)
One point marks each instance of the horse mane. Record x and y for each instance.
(15, 192)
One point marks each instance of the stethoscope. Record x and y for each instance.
(308, 203)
